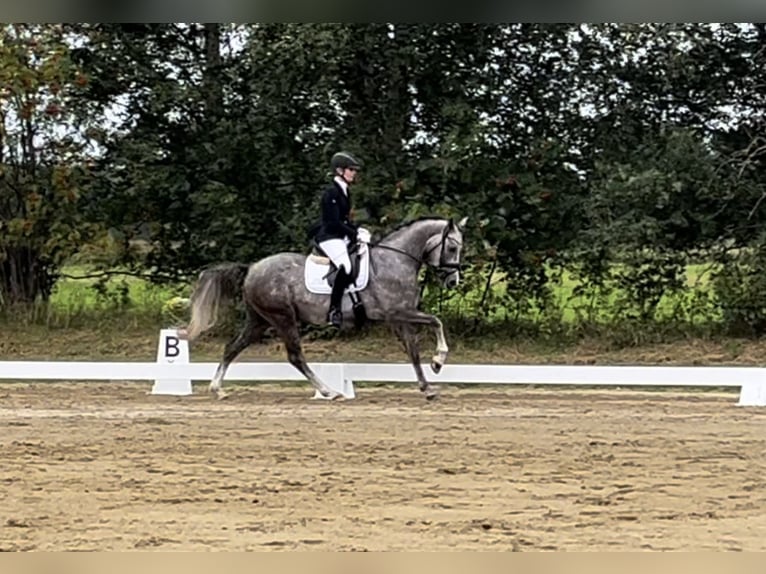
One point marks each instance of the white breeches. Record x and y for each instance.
(337, 251)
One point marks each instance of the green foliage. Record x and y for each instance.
(668, 196)
(643, 279)
(740, 290)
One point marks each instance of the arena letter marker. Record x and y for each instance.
(172, 349)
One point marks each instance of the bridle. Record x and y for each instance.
(443, 269)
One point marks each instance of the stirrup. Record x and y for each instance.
(335, 318)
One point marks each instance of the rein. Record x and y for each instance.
(397, 250)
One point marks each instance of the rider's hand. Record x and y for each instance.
(363, 236)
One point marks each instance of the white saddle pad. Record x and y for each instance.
(317, 268)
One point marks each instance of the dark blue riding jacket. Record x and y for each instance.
(336, 209)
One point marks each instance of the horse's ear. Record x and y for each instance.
(461, 223)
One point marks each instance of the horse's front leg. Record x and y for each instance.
(407, 335)
(415, 317)
(438, 360)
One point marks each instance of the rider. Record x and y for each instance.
(337, 231)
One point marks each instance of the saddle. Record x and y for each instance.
(320, 258)
(320, 273)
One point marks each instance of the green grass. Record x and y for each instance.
(120, 298)
(570, 305)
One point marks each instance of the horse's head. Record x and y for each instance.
(443, 252)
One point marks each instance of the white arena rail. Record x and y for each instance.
(173, 373)
(753, 378)
(646, 376)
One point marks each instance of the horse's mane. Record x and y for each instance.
(409, 222)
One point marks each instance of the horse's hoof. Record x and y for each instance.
(328, 396)
(432, 395)
(220, 395)
(436, 367)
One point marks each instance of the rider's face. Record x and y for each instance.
(349, 174)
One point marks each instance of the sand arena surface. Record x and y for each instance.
(91, 466)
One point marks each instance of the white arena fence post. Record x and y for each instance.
(334, 376)
(172, 350)
(752, 394)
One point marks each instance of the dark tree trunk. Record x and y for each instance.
(212, 81)
(24, 278)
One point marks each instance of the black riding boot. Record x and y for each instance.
(342, 280)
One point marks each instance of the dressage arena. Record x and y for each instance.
(108, 466)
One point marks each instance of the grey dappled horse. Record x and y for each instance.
(275, 294)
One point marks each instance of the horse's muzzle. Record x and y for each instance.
(452, 280)
(449, 273)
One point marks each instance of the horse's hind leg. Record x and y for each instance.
(288, 331)
(408, 336)
(250, 333)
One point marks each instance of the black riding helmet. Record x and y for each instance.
(345, 160)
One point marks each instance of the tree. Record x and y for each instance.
(42, 151)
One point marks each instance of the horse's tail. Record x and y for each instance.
(215, 284)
